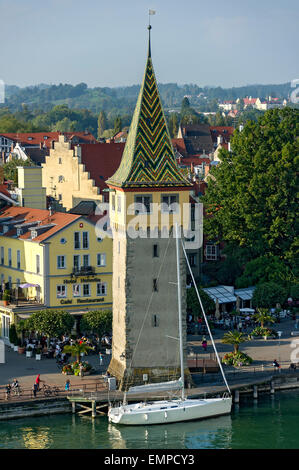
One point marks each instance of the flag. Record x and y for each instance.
(152, 12)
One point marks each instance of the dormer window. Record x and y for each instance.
(30, 138)
(33, 234)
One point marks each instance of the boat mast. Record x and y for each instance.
(206, 321)
(180, 308)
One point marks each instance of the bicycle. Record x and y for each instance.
(17, 391)
(49, 391)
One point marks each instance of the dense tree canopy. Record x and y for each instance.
(51, 323)
(252, 200)
(97, 321)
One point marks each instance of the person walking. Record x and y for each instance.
(67, 385)
(101, 358)
(204, 343)
(38, 381)
(35, 389)
(276, 365)
(7, 391)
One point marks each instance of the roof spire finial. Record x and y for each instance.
(150, 12)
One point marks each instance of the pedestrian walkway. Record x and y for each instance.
(26, 369)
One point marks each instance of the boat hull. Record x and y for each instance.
(164, 412)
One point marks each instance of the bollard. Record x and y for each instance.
(93, 409)
(272, 389)
(255, 394)
(237, 396)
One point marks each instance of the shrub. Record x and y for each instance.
(237, 359)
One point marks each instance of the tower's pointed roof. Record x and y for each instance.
(148, 159)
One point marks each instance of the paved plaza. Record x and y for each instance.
(263, 352)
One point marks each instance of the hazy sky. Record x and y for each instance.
(104, 43)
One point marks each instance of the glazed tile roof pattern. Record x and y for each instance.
(148, 159)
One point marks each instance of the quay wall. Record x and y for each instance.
(50, 406)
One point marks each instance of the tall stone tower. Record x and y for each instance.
(145, 303)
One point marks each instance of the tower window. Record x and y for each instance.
(143, 204)
(170, 203)
(155, 251)
(155, 285)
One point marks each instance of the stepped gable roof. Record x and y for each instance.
(148, 160)
(58, 219)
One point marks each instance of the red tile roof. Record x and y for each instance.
(101, 161)
(225, 131)
(179, 145)
(59, 219)
(248, 101)
(37, 138)
(33, 138)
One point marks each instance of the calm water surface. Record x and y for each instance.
(270, 423)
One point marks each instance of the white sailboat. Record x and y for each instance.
(172, 410)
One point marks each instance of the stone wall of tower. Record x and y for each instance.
(143, 318)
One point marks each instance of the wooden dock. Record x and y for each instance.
(96, 403)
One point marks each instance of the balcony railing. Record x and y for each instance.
(83, 271)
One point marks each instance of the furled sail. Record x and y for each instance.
(157, 387)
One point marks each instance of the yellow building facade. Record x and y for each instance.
(52, 261)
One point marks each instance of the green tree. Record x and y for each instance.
(117, 125)
(235, 338)
(252, 201)
(77, 349)
(97, 321)
(52, 323)
(264, 269)
(102, 124)
(268, 294)
(263, 316)
(173, 124)
(193, 304)
(10, 168)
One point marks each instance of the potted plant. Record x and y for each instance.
(67, 369)
(6, 297)
(17, 345)
(13, 337)
(38, 354)
(21, 348)
(29, 351)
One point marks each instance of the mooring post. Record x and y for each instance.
(237, 396)
(272, 389)
(255, 394)
(73, 407)
(93, 409)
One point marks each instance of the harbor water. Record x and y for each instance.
(271, 422)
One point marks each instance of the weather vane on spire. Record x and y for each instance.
(150, 12)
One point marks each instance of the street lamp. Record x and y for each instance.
(279, 336)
